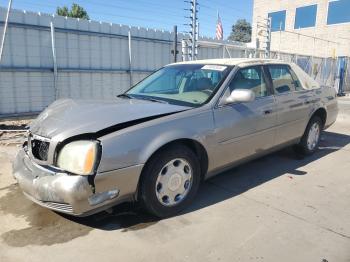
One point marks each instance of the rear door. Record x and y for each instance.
(245, 129)
(292, 103)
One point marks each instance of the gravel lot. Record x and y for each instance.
(277, 208)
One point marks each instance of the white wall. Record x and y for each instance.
(293, 43)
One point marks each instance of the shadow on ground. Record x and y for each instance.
(47, 228)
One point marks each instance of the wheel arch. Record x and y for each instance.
(197, 148)
(321, 113)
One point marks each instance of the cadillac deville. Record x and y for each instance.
(156, 142)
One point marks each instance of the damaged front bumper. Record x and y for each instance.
(73, 194)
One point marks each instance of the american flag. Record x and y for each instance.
(219, 29)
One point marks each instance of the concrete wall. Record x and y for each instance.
(293, 43)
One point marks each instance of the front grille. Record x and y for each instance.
(40, 148)
(61, 207)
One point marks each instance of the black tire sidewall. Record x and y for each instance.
(303, 143)
(150, 174)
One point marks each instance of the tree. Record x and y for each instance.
(241, 31)
(76, 11)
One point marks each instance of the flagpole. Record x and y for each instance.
(216, 24)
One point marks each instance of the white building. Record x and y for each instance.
(309, 27)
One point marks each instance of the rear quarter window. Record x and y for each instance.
(305, 80)
(297, 83)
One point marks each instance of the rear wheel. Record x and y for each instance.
(170, 181)
(311, 138)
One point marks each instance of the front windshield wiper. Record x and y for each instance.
(125, 96)
(142, 98)
(153, 100)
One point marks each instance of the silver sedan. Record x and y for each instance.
(156, 142)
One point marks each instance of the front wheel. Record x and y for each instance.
(170, 181)
(311, 138)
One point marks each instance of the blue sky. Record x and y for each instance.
(161, 14)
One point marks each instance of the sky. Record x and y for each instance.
(159, 14)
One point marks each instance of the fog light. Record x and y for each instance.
(103, 196)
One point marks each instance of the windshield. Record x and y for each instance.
(183, 84)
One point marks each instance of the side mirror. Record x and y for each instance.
(240, 95)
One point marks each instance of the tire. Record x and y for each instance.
(311, 138)
(163, 181)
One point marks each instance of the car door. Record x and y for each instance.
(245, 129)
(292, 103)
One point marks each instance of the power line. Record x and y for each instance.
(163, 14)
(151, 4)
(173, 15)
(229, 7)
(170, 23)
(127, 8)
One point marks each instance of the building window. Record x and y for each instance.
(338, 12)
(305, 16)
(278, 21)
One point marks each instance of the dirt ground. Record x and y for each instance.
(277, 208)
(12, 132)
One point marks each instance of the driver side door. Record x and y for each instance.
(245, 129)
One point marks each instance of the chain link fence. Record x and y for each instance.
(323, 70)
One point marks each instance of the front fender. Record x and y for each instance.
(166, 138)
(135, 145)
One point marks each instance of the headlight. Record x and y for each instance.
(79, 157)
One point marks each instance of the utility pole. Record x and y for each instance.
(264, 29)
(194, 29)
(268, 37)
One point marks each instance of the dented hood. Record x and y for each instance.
(66, 118)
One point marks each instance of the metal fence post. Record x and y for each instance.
(184, 46)
(53, 46)
(347, 75)
(175, 44)
(5, 29)
(228, 51)
(130, 58)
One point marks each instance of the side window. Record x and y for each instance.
(250, 78)
(297, 83)
(281, 78)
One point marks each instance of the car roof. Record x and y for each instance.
(306, 81)
(234, 61)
